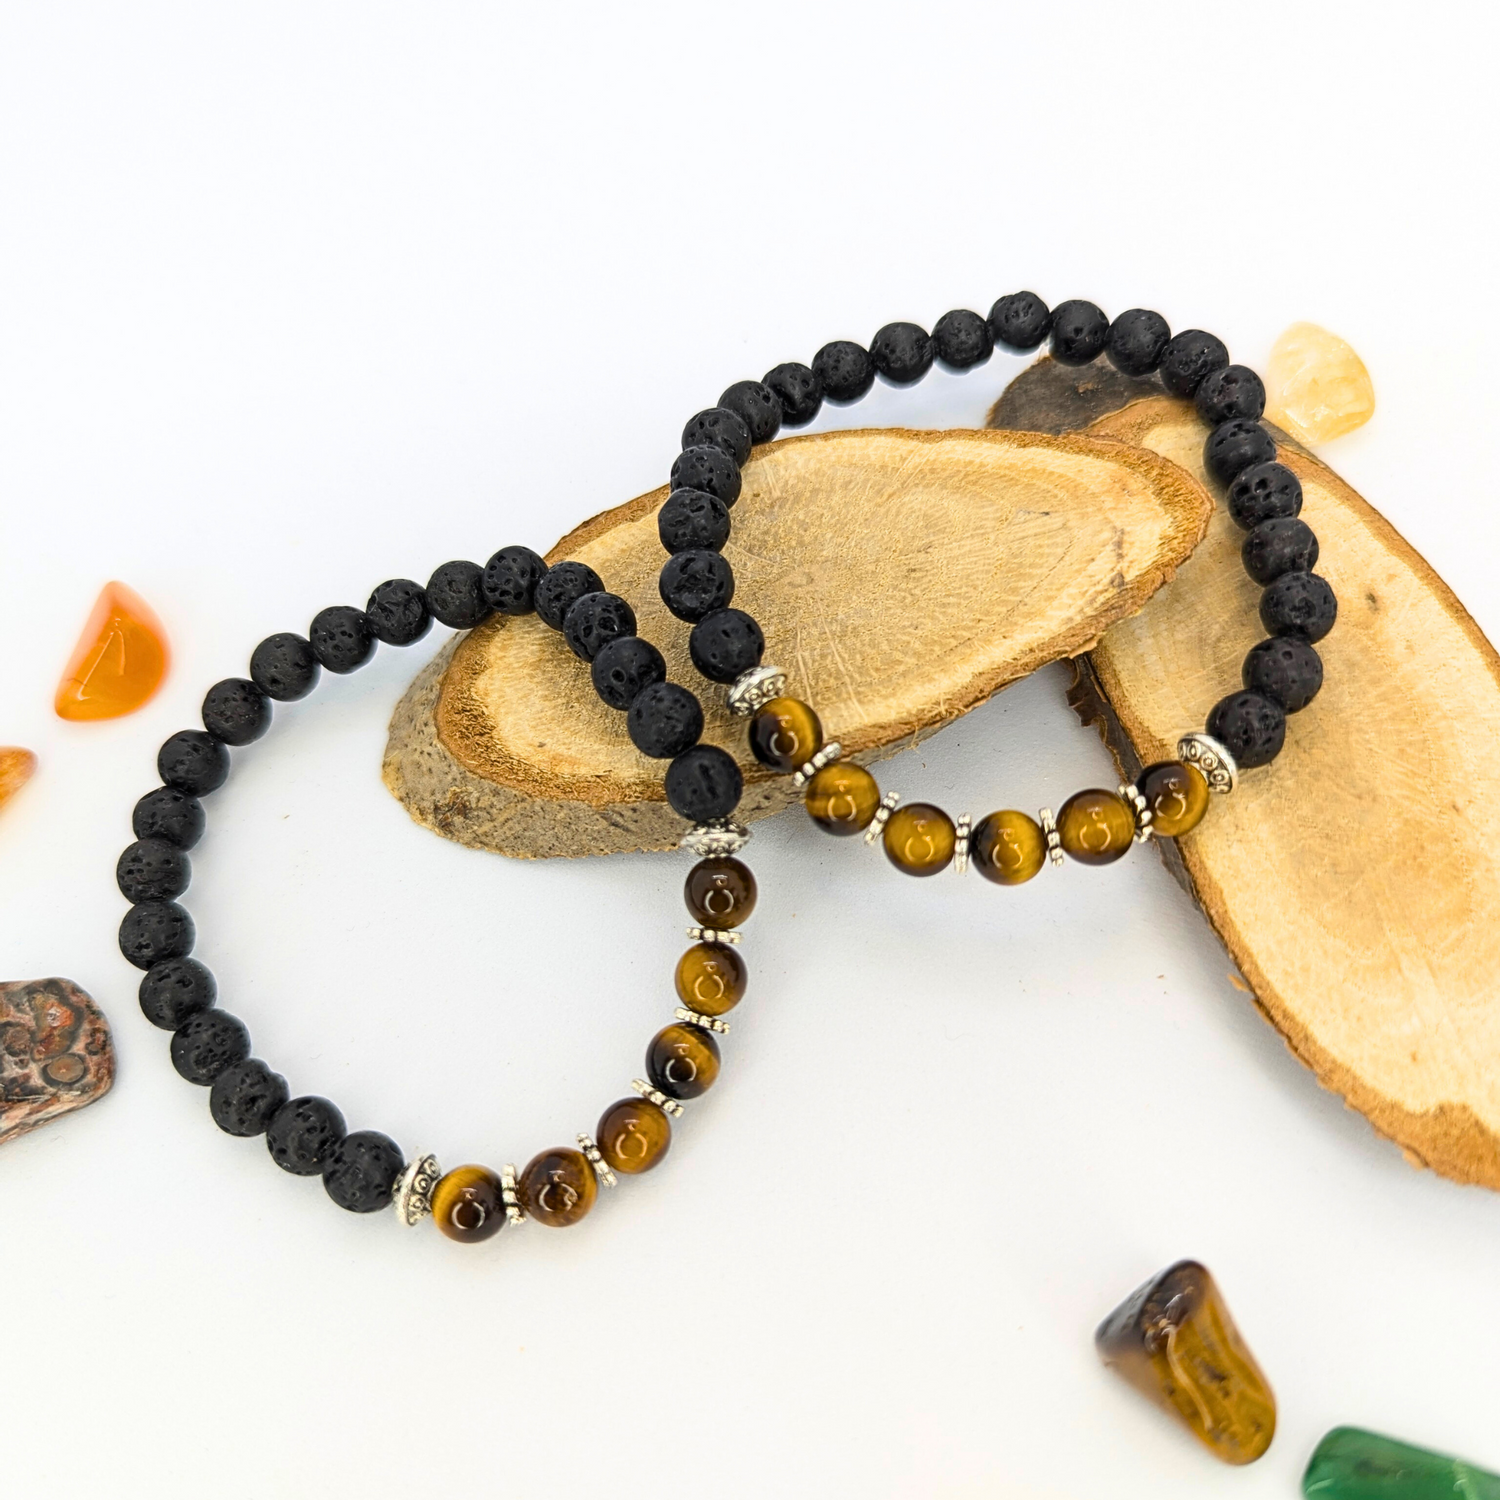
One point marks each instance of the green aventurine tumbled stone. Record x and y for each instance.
(1354, 1465)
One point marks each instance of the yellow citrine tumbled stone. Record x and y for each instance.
(17, 766)
(119, 661)
(1317, 387)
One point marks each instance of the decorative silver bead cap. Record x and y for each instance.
(696, 1018)
(655, 1096)
(754, 689)
(882, 816)
(412, 1194)
(1143, 828)
(961, 831)
(514, 1213)
(1210, 757)
(825, 757)
(709, 840)
(590, 1149)
(1049, 827)
(714, 935)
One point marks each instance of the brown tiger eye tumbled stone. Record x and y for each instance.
(633, 1135)
(467, 1205)
(1096, 827)
(682, 1061)
(1008, 847)
(1177, 795)
(841, 799)
(711, 978)
(558, 1187)
(785, 734)
(919, 839)
(719, 892)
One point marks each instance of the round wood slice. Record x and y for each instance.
(901, 578)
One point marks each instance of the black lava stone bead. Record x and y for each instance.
(1189, 359)
(1264, 492)
(901, 353)
(718, 428)
(303, 1133)
(1234, 445)
(1284, 669)
(1280, 546)
(1234, 391)
(236, 711)
(664, 720)
(1136, 341)
(398, 613)
(1079, 333)
(205, 1044)
(341, 637)
(726, 643)
(1250, 727)
(595, 620)
(283, 667)
(169, 814)
(1020, 321)
(704, 784)
(561, 587)
(510, 578)
(455, 595)
(244, 1099)
(962, 339)
(194, 762)
(694, 584)
(175, 989)
(755, 404)
(710, 470)
(152, 870)
(624, 667)
(844, 371)
(154, 930)
(362, 1171)
(693, 521)
(1300, 604)
(798, 390)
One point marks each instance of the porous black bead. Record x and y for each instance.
(1234, 391)
(710, 470)
(236, 711)
(799, 391)
(1234, 445)
(1284, 669)
(1079, 332)
(154, 930)
(693, 521)
(193, 761)
(1189, 358)
(175, 989)
(341, 637)
(704, 783)
(205, 1044)
(303, 1133)
(694, 584)
(755, 404)
(1300, 604)
(720, 428)
(510, 578)
(170, 814)
(595, 620)
(244, 1099)
(1287, 545)
(844, 370)
(1264, 492)
(901, 353)
(152, 870)
(962, 339)
(362, 1171)
(283, 666)
(1020, 321)
(561, 587)
(726, 643)
(455, 595)
(397, 612)
(1250, 726)
(664, 720)
(1136, 341)
(624, 667)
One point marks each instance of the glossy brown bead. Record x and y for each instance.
(558, 1187)
(633, 1135)
(719, 892)
(785, 734)
(1096, 827)
(1177, 795)
(711, 978)
(841, 799)
(919, 839)
(683, 1061)
(467, 1205)
(1008, 847)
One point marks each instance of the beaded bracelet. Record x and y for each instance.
(365, 1171)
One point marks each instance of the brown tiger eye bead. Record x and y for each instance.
(558, 1187)
(919, 839)
(467, 1206)
(719, 892)
(711, 978)
(633, 1135)
(1177, 795)
(682, 1061)
(841, 799)
(1008, 847)
(785, 734)
(1096, 827)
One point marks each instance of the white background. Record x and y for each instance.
(296, 297)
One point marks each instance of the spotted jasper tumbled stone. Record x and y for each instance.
(55, 1053)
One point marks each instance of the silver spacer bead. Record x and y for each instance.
(655, 1096)
(1143, 828)
(514, 1213)
(754, 689)
(1049, 827)
(825, 757)
(709, 840)
(714, 935)
(882, 816)
(412, 1194)
(1210, 757)
(590, 1149)
(695, 1018)
(962, 827)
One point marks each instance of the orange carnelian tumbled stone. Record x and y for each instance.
(119, 661)
(16, 769)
